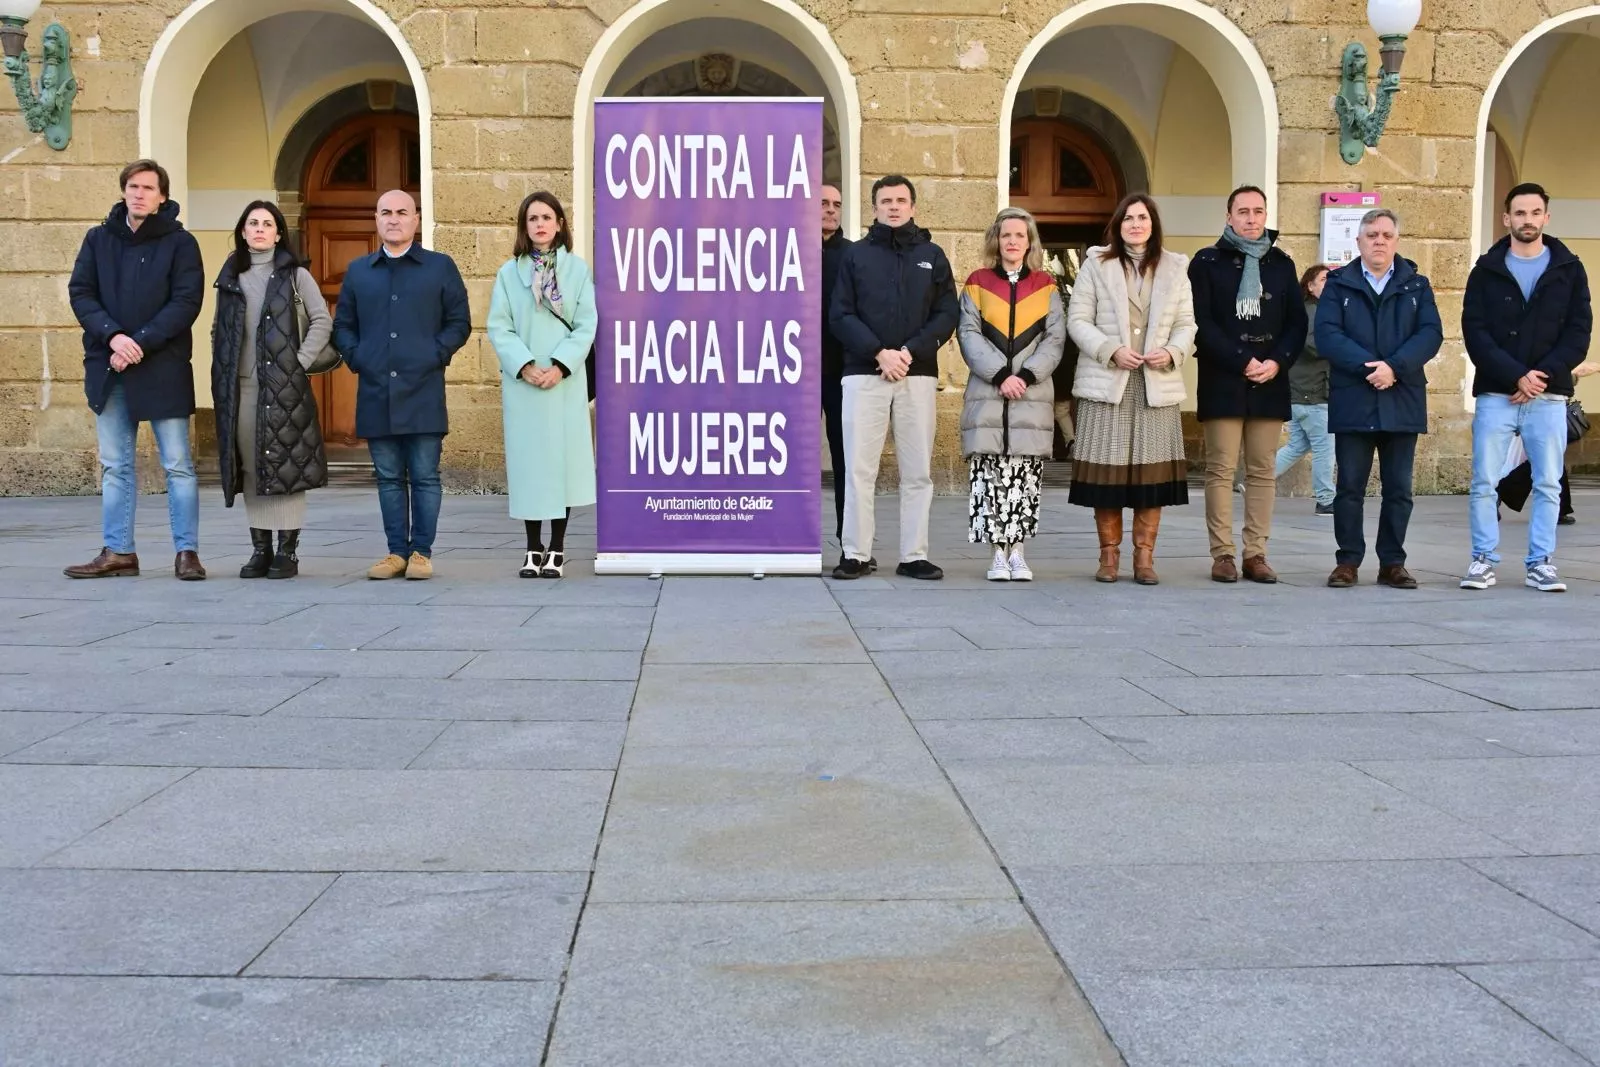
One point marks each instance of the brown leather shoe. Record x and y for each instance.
(1108, 528)
(1343, 576)
(1146, 525)
(1256, 569)
(1397, 576)
(1223, 570)
(186, 565)
(107, 564)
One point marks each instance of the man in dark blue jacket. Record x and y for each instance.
(1377, 326)
(1527, 321)
(834, 245)
(136, 290)
(893, 306)
(402, 315)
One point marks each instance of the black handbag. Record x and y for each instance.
(588, 364)
(325, 360)
(1577, 421)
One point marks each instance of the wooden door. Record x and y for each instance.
(357, 162)
(1061, 173)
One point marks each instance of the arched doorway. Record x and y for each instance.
(356, 163)
(1537, 124)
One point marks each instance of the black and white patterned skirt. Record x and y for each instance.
(1004, 505)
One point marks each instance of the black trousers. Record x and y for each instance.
(1353, 452)
(1516, 487)
(833, 419)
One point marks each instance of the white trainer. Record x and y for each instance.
(1480, 574)
(999, 569)
(1018, 565)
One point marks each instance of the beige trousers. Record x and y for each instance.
(871, 404)
(1257, 439)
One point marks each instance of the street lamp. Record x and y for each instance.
(1361, 119)
(47, 110)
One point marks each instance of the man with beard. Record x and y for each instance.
(1526, 318)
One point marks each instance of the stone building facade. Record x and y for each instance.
(1054, 104)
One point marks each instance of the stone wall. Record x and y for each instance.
(931, 76)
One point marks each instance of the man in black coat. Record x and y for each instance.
(893, 305)
(834, 244)
(1527, 321)
(1252, 325)
(136, 290)
(402, 315)
(1377, 326)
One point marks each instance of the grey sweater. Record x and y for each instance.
(254, 283)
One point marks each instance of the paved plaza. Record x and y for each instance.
(714, 822)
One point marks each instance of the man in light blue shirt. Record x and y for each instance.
(1378, 282)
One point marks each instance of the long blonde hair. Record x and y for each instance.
(1034, 260)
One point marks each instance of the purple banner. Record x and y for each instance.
(707, 262)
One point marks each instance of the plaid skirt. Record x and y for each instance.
(1129, 455)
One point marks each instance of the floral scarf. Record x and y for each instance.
(545, 289)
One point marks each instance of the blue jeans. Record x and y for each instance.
(407, 466)
(1542, 425)
(1308, 432)
(1397, 456)
(119, 485)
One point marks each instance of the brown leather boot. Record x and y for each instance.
(186, 566)
(107, 564)
(1108, 525)
(1146, 523)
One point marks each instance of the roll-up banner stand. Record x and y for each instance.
(708, 262)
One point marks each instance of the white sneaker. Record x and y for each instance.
(999, 569)
(1480, 574)
(1019, 566)
(1542, 576)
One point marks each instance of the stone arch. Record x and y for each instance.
(186, 48)
(649, 17)
(1222, 50)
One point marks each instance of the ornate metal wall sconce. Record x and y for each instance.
(48, 109)
(1361, 117)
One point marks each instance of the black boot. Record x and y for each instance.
(261, 558)
(285, 564)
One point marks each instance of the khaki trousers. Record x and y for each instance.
(1257, 439)
(870, 405)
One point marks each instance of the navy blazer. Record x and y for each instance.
(400, 319)
(1356, 326)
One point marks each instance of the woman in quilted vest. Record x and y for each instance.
(1011, 331)
(271, 323)
(1132, 318)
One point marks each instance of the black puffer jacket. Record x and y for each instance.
(895, 290)
(148, 284)
(289, 455)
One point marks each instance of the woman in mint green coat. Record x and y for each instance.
(542, 324)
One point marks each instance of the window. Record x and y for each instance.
(1074, 173)
(354, 165)
(1019, 157)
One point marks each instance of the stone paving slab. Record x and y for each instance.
(1327, 694)
(312, 820)
(222, 1022)
(1564, 884)
(1527, 733)
(1542, 691)
(1256, 915)
(462, 699)
(1230, 813)
(525, 746)
(233, 741)
(1561, 998)
(162, 694)
(776, 704)
(487, 927)
(318, 663)
(1250, 661)
(145, 922)
(1544, 806)
(850, 822)
(19, 729)
(867, 984)
(48, 808)
(581, 637)
(1366, 1016)
(553, 666)
(1306, 737)
(1054, 741)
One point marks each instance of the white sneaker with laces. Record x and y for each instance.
(1542, 576)
(1480, 574)
(999, 569)
(1018, 565)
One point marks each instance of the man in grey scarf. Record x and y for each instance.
(1252, 326)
